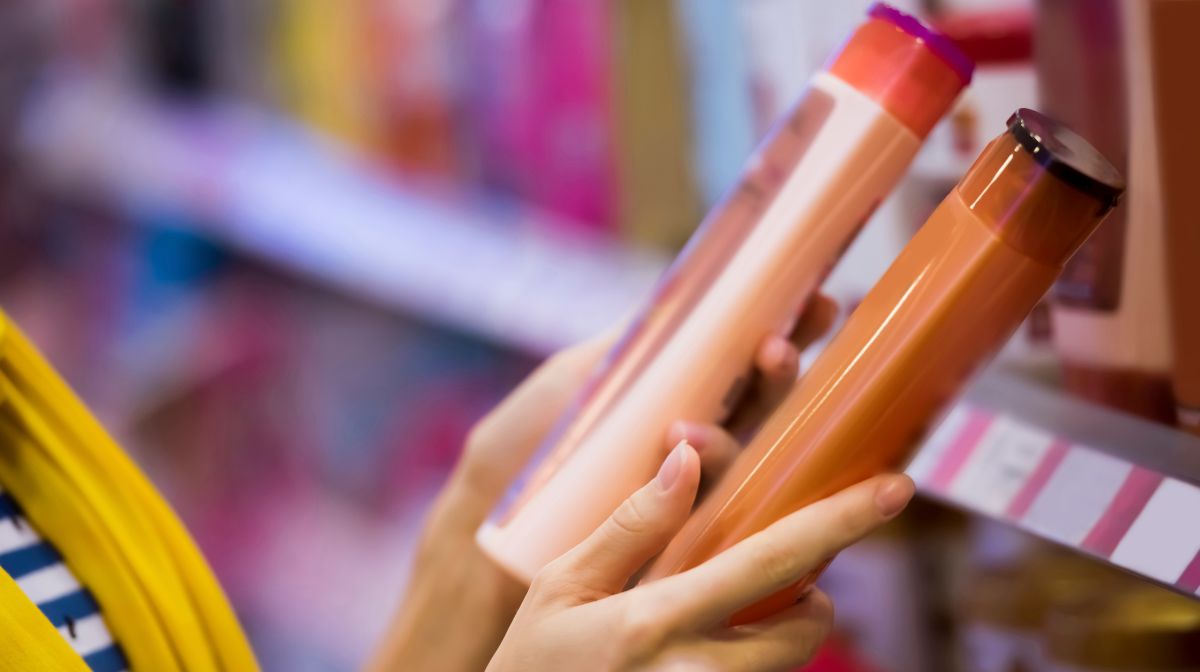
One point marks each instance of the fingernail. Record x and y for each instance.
(893, 495)
(668, 473)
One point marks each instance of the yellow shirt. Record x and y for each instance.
(124, 543)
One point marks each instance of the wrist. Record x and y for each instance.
(458, 603)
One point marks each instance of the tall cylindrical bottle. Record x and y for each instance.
(951, 299)
(745, 274)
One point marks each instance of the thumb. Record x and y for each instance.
(637, 531)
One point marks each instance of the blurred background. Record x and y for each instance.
(290, 250)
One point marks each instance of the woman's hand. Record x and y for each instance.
(459, 603)
(576, 616)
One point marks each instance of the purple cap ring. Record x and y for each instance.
(941, 46)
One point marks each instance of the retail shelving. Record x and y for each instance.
(1112, 486)
(271, 189)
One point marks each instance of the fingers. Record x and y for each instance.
(778, 360)
(784, 641)
(783, 553)
(777, 364)
(818, 316)
(638, 530)
(501, 443)
(717, 448)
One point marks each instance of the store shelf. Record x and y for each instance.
(1112, 486)
(1109, 485)
(275, 191)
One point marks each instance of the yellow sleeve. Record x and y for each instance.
(28, 642)
(118, 536)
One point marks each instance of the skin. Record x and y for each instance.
(459, 604)
(577, 615)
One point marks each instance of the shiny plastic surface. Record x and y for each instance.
(907, 69)
(688, 357)
(951, 299)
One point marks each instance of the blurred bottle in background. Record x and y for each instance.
(658, 202)
(1139, 627)
(321, 53)
(540, 103)
(723, 115)
(1111, 323)
(412, 74)
(1174, 51)
(1005, 608)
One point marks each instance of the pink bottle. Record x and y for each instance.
(745, 274)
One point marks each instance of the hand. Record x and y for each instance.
(459, 603)
(576, 617)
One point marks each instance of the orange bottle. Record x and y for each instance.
(955, 294)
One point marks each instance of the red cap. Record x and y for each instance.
(991, 38)
(912, 71)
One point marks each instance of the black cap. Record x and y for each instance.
(1067, 156)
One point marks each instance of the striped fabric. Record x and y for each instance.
(39, 570)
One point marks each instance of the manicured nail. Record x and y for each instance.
(668, 473)
(893, 495)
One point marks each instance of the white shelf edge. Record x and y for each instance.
(279, 193)
(1118, 488)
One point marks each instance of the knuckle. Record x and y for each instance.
(631, 518)
(642, 630)
(551, 583)
(776, 562)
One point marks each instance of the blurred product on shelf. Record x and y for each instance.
(322, 57)
(241, 47)
(1174, 52)
(1130, 628)
(1005, 606)
(658, 203)
(175, 42)
(723, 130)
(755, 263)
(1110, 316)
(894, 590)
(376, 74)
(541, 103)
(411, 72)
(951, 299)
(837, 655)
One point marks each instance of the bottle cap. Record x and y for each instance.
(911, 70)
(1066, 155)
(1041, 187)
